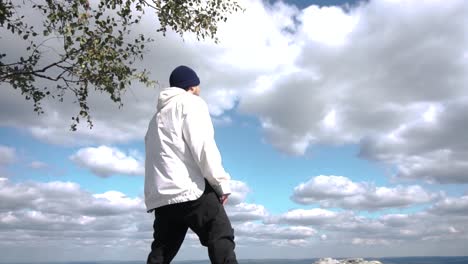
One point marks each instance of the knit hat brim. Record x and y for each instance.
(187, 83)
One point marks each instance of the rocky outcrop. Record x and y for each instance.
(346, 261)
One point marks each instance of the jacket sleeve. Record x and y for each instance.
(198, 134)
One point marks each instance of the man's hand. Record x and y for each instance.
(223, 199)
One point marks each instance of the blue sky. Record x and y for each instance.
(341, 126)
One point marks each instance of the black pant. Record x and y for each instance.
(206, 217)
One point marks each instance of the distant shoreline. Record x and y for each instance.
(384, 260)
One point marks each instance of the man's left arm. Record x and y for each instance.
(198, 133)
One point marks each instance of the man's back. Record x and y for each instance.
(179, 141)
(171, 172)
(185, 182)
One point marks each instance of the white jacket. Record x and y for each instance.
(181, 151)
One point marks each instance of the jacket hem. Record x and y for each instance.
(153, 202)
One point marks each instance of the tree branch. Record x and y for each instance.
(36, 72)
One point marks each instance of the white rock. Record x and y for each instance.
(346, 261)
(327, 261)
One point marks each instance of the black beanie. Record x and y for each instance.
(183, 77)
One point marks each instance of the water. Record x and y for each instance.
(400, 260)
(426, 260)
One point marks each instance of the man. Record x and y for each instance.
(185, 183)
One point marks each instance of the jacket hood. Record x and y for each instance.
(168, 95)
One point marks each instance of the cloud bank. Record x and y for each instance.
(339, 191)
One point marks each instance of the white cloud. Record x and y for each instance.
(367, 241)
(33, 212)
(105, 161)
(339, 191)
(222, 121)
(240, 190)
(38, 165)
(273, 232)
(58, 197)
(65, 216)
(257, 40)
(246, 212)
(115, 198)
(378, 67)
(314, 216)
(384, 197)
(64, 206)
(390, 229)
(62, 216)
(451, 206)
(236, 207)
(338, 25)
(396, 220)
(7, 155)
(433, 151)
(323, 187)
